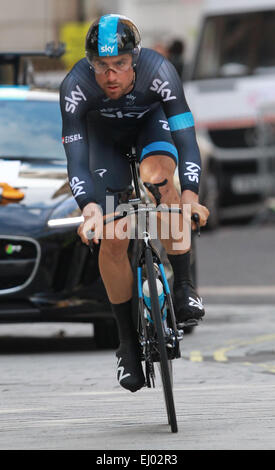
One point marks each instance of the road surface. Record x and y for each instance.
(58, 392)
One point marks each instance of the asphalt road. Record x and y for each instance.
(237, 264)
(58, 392)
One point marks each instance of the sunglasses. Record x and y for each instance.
(122, 64)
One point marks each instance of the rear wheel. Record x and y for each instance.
(165, 366)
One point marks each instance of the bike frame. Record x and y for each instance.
(146, 255)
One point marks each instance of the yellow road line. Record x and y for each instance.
(269, 368)
(196, 356)
(220, 354)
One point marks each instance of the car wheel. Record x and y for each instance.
(106, 334)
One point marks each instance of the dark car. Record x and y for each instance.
(46, 273)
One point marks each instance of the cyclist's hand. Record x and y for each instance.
(203, 213)
(93, 220)
(188, 197)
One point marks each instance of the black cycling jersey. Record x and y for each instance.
(157, 93)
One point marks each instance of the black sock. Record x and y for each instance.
(123, 315)
(181, 268)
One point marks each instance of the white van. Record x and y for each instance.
(231, 92)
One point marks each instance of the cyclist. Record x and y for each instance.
(122, 95)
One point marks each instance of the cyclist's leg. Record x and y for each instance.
(158, 157)
(158, 160)
(111, 170)
(155, 169)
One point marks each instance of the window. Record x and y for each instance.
(30, 129)
(236, 45)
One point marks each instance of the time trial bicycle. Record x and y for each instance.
(153, 310)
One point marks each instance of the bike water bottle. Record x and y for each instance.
(146, 295)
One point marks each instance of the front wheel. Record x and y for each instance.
(165, 369)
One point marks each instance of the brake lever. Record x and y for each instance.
(154, 189)
(196, 218)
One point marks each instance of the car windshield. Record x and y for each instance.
(30, 129)
(236, 45)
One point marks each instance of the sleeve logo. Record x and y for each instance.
(72, 101)
(192, 171)
(159, 87)
(76, 187)
(68, 139)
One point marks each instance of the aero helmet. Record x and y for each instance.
(112, 35)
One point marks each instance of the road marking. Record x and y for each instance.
(268, 367)
(196, 356)
(220, 354)
(237, 290)
(213, 310)
(20, 410)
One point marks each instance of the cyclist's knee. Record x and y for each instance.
(157, 168)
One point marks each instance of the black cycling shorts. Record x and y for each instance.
(107, 143)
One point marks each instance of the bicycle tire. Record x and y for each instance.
(164, 362)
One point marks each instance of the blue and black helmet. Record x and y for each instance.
(112, 35)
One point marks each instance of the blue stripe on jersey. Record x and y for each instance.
(107, 35)
(159, 147)
(181, 121)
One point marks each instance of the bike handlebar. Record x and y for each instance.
(195, 217)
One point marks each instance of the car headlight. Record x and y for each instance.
(66, 214)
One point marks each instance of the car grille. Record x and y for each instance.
(19, 260)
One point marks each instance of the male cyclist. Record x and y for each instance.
(118, 96)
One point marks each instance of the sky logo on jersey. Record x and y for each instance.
(107, 35)
(192, 172)
(159, 86)
(73, 101)
(77, 189)
(113, 113)
(130, 99)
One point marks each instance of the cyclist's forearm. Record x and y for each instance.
(189, 159)
(182, 127)
(187, 197)
(80, 178)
